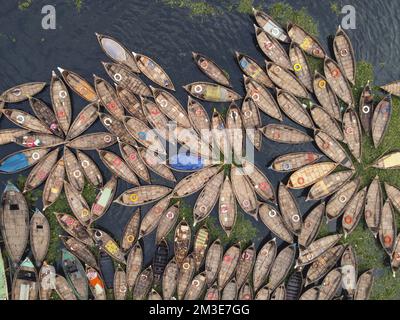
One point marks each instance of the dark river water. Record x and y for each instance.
(169, 35)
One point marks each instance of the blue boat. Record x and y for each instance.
(21, 160)
(186, 162)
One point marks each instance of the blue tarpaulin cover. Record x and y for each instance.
(14, 163)
(186, 162)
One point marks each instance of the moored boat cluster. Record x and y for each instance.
(137, 117)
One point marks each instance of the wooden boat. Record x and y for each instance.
(227, 207)
(294, 109)
(167, 222)
(108, 98)
(373, 206)
(219, 134)
(364, 285)
(388, 161)
(104, 199)
(196, 287)
(290, 212)
(311, 226)
(182, 241)
(14, 222)
(192, 143)
(46, 116)
(131, 231)
(117, 52)
(12, 135)
(316, 249)
(83, 121)
(41, 171)
(311, 294)
(394, 195)
(337, 81)
(279, 293)
(387, 228)
(262, 98)
(63, 289)
(326, 96)
(47, 281)
(228, 265)
(352, 133)
(294, 161)
(33, 140)
(353, 213)
(212, 293)
(73, 170)
(160, 260)
(330, 285)
(134, 265)
(263, 263)
(22, 160)
(120, 285)
(39, 233)
(392, 88)
(211, 69)
(61, 102)
(130, 102)
(212, 92)
(366, 108)
(75, 274)
(80, 250)
(213, 261)
(115, 127)
(90, 169)
(329, 185)
(185, 276)
(270, 26)
(134, 161)
(344, 55)
(230, 291)
(294, 286)
(251, 122)
(199, 119)
(320, 267)
(252, 69)
(171, 107)
(246, 292)
(22, 92)
(26, 121)
(156, 163)
(156, 118)
(25, 284)
(154, 295)
(208, 198)
(340, 199)
(234, 126)
(285, 134)
(74, 228)
(332, 149)
(77, 203)
(143, 284)
(107, 269)
(285, 80)
(263, 294)
(272, 48)
(200, 245)
(306, 41)
(96, 284)
(153, 216)
(395, 257)
(260, 182)
(118, 167)
(194, 182)
(244, 192)
(79, 85)
(245, 265)
(281, 267)
(274, 222)
(300, 66)
(106, 243)
(326, 122)
(153, 71)
(170, 279)
(349, 269)
(380, 120)
(310, 175)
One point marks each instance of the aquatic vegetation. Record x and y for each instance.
(335, 8)
(245, 6)
(25, 4)
(197, 8)
(78, 4)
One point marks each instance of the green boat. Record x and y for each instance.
(3, 280)
(75, 274)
